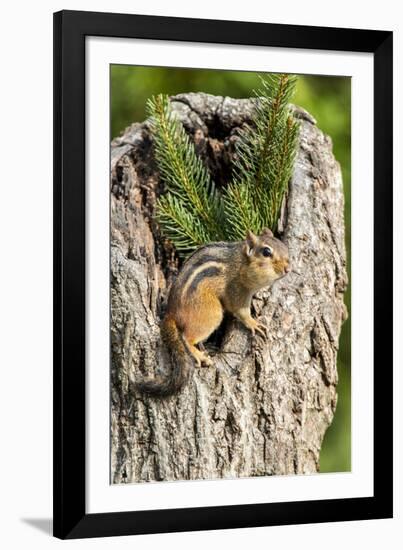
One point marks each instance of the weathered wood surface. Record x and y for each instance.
(264, 407)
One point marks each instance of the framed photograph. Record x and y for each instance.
(222, 264)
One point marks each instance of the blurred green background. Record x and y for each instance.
(328, 99)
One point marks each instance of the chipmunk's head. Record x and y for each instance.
(267, 258)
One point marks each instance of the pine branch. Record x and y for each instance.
(185, 176)
(239, 216)
(192, 212)
(284, 162)
(179, 225)
(266, 152)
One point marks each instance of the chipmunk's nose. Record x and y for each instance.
(287, 268)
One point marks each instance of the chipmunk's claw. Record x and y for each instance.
(258, 329)
(202, 359)
(207, 361)
(261, 330)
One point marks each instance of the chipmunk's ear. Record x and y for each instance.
(251, 242)
(267, 232)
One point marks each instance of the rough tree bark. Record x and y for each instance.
(264, 407)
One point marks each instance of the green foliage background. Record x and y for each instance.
(328, 99)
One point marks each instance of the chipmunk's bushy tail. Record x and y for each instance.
(181, 360)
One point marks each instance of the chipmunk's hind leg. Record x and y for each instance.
(200, 318)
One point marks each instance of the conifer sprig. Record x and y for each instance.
(192, 211)
(189, 212)
(239, 216)
(265, 154)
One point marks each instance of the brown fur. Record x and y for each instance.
(216, 278)
(181, 359)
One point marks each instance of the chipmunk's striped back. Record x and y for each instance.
(208, 262)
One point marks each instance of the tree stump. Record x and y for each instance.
(264, 407)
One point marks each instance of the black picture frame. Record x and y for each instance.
(70, 517)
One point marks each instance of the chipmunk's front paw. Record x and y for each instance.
(257, 329)
(262, 330)
(249, 322)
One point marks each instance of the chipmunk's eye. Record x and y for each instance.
(267, 252)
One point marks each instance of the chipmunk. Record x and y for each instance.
(217, 277)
